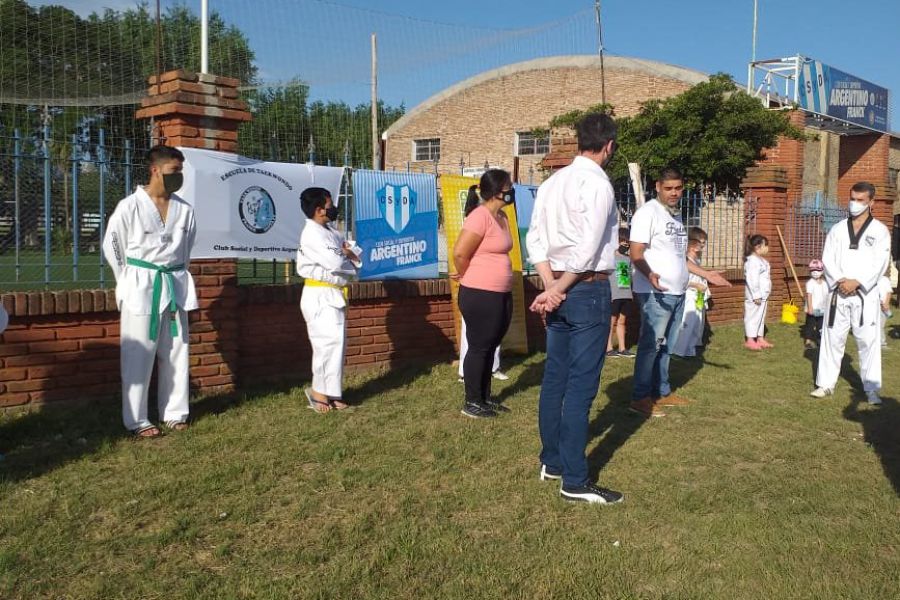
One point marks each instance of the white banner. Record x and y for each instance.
(248, 208)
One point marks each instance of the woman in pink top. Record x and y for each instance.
(481, 256)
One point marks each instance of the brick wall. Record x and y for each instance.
(866, 158)
(477, 121)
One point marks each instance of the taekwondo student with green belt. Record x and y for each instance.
(148, 244)
(327, 262)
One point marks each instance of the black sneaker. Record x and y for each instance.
(627, 354)
(591, 493)
(497, 407)
(612, 354)
(549, 473)
(478, 411)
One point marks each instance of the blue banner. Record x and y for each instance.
(396, 222)
(828, 91)
(525, 195)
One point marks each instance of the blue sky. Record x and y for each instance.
(327, 44)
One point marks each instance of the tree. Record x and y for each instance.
(713, 132)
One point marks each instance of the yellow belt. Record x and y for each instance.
(317, 283)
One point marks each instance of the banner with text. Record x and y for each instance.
(248, 208)
(454, 190)
(828, 91)
(396, 221)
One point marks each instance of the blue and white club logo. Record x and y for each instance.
(257, 209)
(397, 204)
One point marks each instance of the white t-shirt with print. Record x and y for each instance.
(666, 239)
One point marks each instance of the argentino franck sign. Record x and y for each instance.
(248, 208)
(396, 221)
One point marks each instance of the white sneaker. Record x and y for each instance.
(461, 380)
(821, 392)
(872, 398)
(500, 375)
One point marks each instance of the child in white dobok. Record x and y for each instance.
(693, 318)
(856, 254)
(758, 287)
(148, 245)
(327, 262)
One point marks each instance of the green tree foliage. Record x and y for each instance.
(284, 120)
(713, 132)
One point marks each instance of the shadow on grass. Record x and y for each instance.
(531, 377)
(615, 423)
(880, 426)
(39, 442)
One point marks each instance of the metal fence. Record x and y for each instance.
(56, 196)
(807, 224)
(727, 217)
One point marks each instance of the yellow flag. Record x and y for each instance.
(454, 191)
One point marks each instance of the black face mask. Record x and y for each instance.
(509, 196)
(331, 213)
(172, 182)
(623, 248)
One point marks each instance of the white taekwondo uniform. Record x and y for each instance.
(863, 259)
(693, 319)
(327, 272)
(154, 291)
(757, 286)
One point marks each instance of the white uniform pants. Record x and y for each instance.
(755, 318)
(691, 333)
(868, 340)
(138, 353)
(464, 347)
(324, 311)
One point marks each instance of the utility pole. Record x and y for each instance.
(376, 141)
(204, 36)
(755, 17)
(600, 51)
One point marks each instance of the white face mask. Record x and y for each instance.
(857, 208)
(815, 274)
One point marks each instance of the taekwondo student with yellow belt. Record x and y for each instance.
(148, 244)
(327, 262)
(857, 251)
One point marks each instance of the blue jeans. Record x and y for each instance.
(660, 323)
(577, 333)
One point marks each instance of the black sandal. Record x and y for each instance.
(150, 431)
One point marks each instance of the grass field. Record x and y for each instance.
(754, 491)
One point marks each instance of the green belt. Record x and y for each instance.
(157, 294)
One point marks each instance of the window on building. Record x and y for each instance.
(893, 174)
(429, 149)
(529, 143)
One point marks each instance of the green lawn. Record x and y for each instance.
(754, 491)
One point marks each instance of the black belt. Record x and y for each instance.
(831, 309)
(586, 276)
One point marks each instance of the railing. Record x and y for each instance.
(807, 224)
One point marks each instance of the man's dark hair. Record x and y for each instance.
(312, 198)
(594, 131)
(670, 174)
(864, 186)
(161, 153)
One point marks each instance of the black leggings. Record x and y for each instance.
(487, 315)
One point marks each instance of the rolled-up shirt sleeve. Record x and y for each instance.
(590, 208)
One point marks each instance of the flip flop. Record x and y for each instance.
(150, 431)
(177, 425)
(312, 402)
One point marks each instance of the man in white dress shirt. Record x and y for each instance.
(148, 244)
(857, 251)
(572, 242)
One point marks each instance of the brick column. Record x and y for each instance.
(203, 111)
(866, 158)
(766, 190)
(788, 155)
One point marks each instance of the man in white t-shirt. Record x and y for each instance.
(661, 270)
